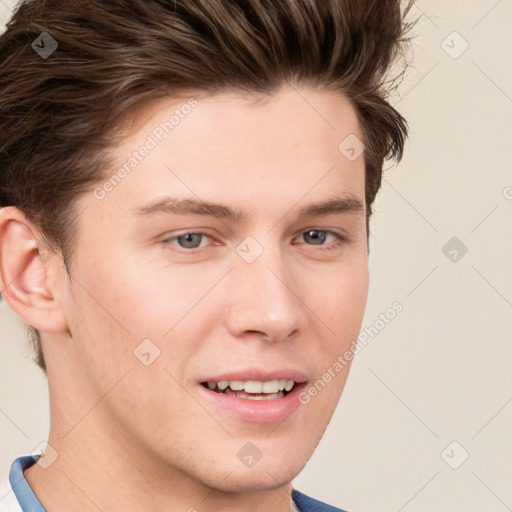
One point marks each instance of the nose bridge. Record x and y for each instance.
(264, 297)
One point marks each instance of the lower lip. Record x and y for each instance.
(256, 411)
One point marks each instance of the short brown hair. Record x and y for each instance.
(58, 114)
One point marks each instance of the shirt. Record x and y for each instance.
(17, 496)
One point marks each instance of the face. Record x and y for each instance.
(232, 252)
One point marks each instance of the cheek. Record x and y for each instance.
(339, 301)
(157, 298)
(101, 340)
(106, 309)
(117, 308)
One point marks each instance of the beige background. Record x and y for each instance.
(441, 370)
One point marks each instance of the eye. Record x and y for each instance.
(188, 240)
(319, 236)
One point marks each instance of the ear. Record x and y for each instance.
(25, 265)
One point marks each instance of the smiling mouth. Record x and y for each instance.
(252, 389)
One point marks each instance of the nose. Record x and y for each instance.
(264, 299)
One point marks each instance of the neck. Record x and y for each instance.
(89, 476)
(89, 485)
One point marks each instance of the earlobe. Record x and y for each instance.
(24, 279)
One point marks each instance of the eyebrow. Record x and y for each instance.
(170, 205)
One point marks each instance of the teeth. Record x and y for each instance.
(271, 387)
(289, 385)
(236, 385)
(250, 396)
(253, 386)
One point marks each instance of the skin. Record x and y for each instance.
(134, 437)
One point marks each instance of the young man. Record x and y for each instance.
(186, 187)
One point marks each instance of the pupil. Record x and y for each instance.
(190, 240)
(316, 237)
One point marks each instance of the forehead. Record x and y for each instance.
(243, 149)
(294, 114)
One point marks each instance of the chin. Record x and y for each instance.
(252, 480)
(281, 461)
(260, 477)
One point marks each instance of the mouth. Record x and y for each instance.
(252, 389)
(254, 395)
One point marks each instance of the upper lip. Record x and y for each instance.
(258, 374)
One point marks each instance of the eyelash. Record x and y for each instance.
(340, 240)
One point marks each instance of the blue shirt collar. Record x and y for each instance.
(24, 494)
